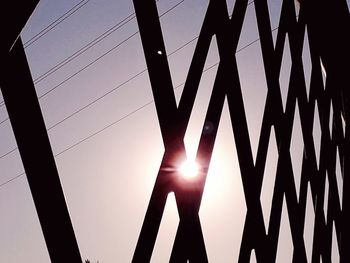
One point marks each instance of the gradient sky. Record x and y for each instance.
(108, 177)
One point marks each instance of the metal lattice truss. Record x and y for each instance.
(324, 172)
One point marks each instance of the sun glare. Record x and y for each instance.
(189, 169)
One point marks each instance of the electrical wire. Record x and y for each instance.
(81, 50)
(51, 26)
(84, 48)
(12, 179)
(104, 54)
(100, 57)
(125, 116)
(92, 43)
(89, 45)
(55, 23)
(95, 41)
(101, 97)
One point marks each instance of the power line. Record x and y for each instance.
(87, 66)
(8, 153)
(51, 26)
(101, 97)
(125, 82)
(3, 121)
(85, 48)
(97, 99)
(107, 93)
(125, 116)
(104, 95)
(89, 45)
(12, 179)
(82, 69)
(81, 50)
(55, 23)
(104, 54)
(92, 43)
(107, 52)
(90, 136)
(100, 57)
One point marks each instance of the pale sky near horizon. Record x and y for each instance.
(108, 174)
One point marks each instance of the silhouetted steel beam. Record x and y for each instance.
(17, 14)
(173, 123)
(34, 146)
(329, 25)
(172, 126)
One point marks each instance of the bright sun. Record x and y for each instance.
(189, 169)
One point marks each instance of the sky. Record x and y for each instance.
(105, 135)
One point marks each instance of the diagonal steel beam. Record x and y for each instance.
(173, 123)
(34, 146)
(17, 14)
